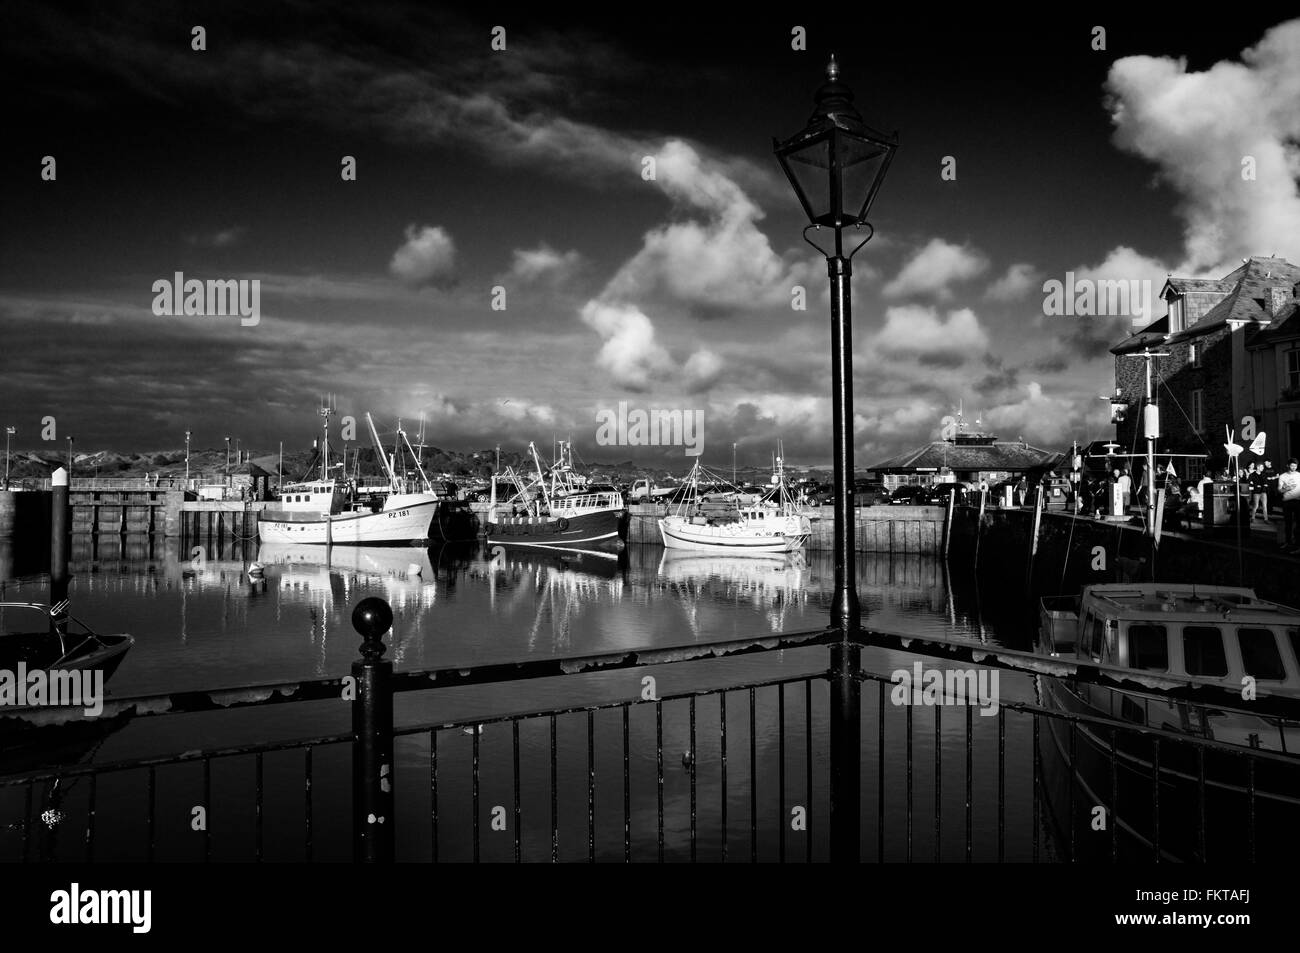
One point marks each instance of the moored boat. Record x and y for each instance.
(1210, 664)
(769, 525)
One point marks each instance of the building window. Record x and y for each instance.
(1194, 355)
(1293, 369)
(1198, 411)
(1176, 314)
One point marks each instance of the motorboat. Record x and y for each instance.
(1174, 661)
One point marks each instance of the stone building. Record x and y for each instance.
(1229, 343)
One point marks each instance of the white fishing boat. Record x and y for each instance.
(329, 511)
(773, 524)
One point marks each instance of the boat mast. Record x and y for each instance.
(541, 479)
(326, 411)
(428, 487)
(383, 456)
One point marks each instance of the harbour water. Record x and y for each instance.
(202, 622)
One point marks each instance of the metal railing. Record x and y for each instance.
(773, 767)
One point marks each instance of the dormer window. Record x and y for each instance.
(1176, 313)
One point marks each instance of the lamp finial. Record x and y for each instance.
(832, 69)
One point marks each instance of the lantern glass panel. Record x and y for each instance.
(809, 165)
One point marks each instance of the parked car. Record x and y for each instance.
(908, 495)
(939, 493)
(870, 493)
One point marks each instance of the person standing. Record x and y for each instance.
(1288, 485)
(1125, 488)
(1270, 488)
(1202, 487)
(1258, 491)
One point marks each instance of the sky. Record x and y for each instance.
(1097, 144)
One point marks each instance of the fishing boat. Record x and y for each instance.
(773, 524)
(1205, 662)
(556, 508)
(331, 511)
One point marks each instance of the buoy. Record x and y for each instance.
(688, 759)
(255, 569)
(413, 569)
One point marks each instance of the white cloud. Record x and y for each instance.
(918, 331)
(1198, 126)
(223, 238)
(544, 262)
(702, 369)
(427, 258)
(1015, 284)
(932, 269)
(629, 353)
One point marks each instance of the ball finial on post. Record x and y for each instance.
(372, 618)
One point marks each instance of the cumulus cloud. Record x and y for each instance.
(428, 258)
(1040, 416)
(629, 354)
(919, 332)
(1198, 127)
(1092, 336)
(544, 262)
(932, 269)
(1019, 280)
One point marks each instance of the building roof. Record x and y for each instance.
(1246, 302)
(1184, 285)
(987, 456)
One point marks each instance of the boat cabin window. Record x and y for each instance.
(1294, 635)
(1259, 654)
(1148, 647)
(1203, 650)
(1096, 637)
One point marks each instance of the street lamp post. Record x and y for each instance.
(9, 432)
(836, 165)
(187, 459)
(227, 459)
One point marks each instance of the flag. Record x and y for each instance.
(1257, 445)
(1169, 468)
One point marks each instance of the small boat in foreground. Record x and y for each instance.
(33, 636)
(1212, 663)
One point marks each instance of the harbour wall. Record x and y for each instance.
(1075, 551)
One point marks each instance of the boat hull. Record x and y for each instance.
(604, 530)
(406, 525)
(1080, 774)
(787, 536)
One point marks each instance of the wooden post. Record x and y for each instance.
(1033, 542)
(947, 523)
(59, 544)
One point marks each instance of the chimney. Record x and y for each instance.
(1277, 299)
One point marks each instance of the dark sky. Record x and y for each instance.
(521, 169)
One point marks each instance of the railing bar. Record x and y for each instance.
(591, 787)
(970, 744)
(433, 794)
(938, 781)
(207, 806)
(307, 774)
(627, 786)
(1033, 817)
(753, 781)
(1073, 770)
(1200, 804)
(808, 767)
(518, 814)
(474, 786)
(27, 821)
(1250, 801)
(880, 775)
(1002, 783)
(780, 771)
(722, 731)
(1155, 841)
(694, 760)
(555, 804)
(257, 807)
(659, 760)
(1114, 802)
(153, 811)
(908, 713)
(90, 819)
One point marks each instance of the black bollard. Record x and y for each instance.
(372, 728)
(59, 545)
